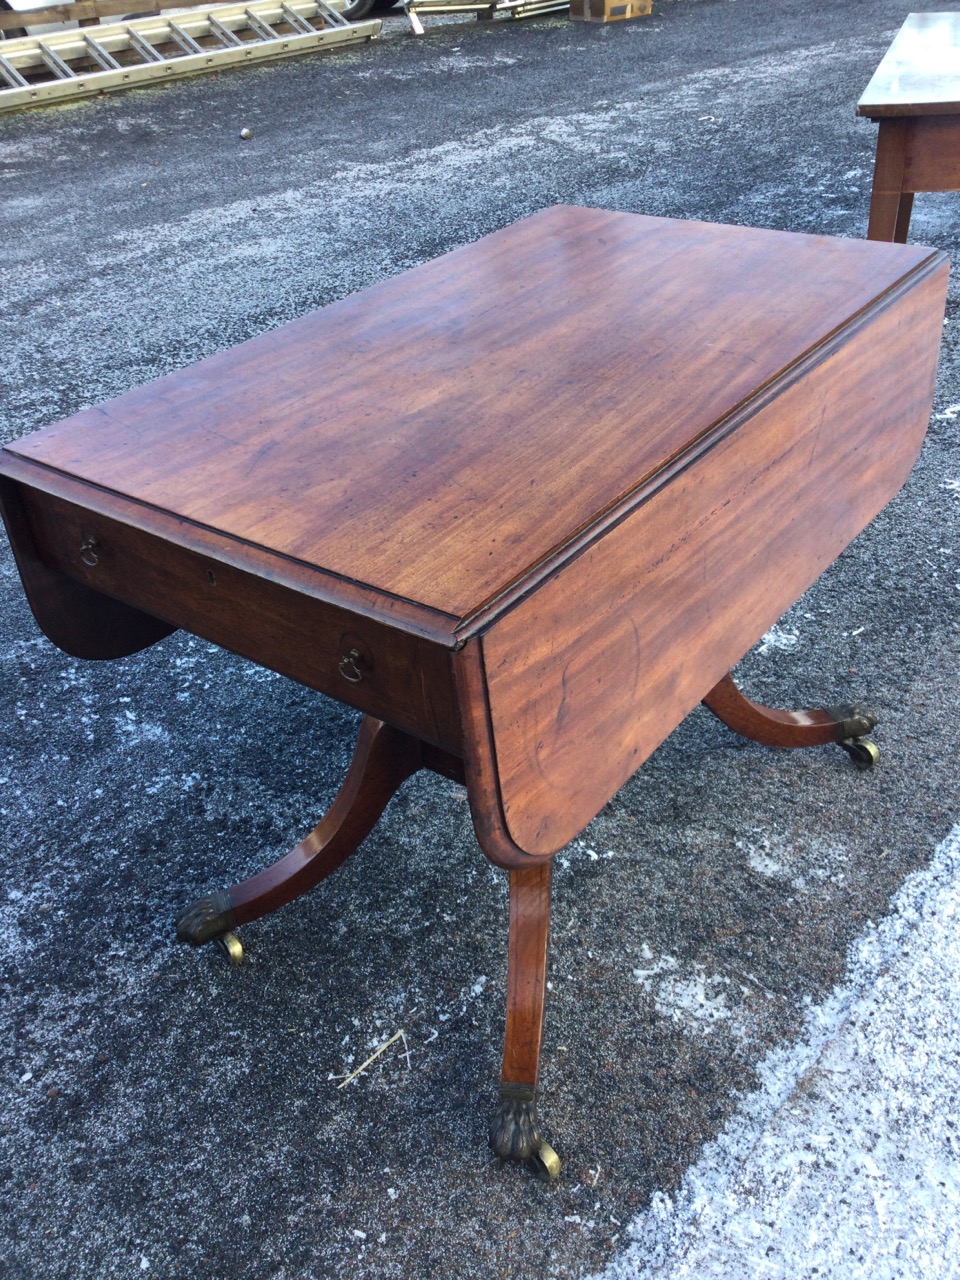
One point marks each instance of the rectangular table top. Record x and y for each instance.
(528, 502)
(920, 72)
(446, 434)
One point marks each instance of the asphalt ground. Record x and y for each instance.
(164, 1115)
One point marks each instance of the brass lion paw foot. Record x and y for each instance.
(515, 1133)
(853, 725)
(211, 919)
(853, 722)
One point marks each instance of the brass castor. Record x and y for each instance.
(862, 752)
(231, 946)
(545, 1163)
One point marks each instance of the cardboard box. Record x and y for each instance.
(608, 10)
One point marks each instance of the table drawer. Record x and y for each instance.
(384, 671)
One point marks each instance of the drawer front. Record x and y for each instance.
(383, 671)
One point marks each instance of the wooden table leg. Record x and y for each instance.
(890, 206)
(515, 1131)
(846, 726)
(383, 758)
(903, 217)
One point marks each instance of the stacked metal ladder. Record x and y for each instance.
(71, 64)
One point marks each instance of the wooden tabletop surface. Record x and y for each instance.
(446, 432)
(920, 72)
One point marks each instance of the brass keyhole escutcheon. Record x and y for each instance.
(88, 552)
(350, 666)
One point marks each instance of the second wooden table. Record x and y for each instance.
(915, 96)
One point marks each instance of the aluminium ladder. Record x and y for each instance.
(70, 64)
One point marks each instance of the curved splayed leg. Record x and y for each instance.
(384, 758)
(847, 725)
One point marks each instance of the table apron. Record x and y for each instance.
(931, 160)
(381, 670)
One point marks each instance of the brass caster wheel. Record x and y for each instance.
(231, 946)
(545, 1163)
(862, 752)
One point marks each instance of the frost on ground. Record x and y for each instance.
(163, 1116)
(847, 1160)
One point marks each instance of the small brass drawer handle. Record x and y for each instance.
(350, 667)
(88, 552)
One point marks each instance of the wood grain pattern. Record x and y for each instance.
(81, 621)
(588, 675)
(575, 468)
(382, 760)
(921, 154)
(811, 727)
(443, 435)
(890, 208)
(525, 507)
(480, 761)
(308, 580)
(932, 154)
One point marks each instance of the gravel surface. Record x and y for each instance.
(712, 974)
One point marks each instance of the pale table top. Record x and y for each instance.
(920, 72)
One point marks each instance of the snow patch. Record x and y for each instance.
(846, 1160)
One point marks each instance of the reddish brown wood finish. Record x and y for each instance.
(915, 96)
(770, 726)
(527, 504)
(586, 668)
(890, 208)
(480, 763)
(286, 622)
(912, 155)
(536, 502)
(519, 533)
(384, 758)
(447, 434)
(81, 621)
(526, 972)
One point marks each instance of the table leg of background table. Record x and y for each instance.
(890, 208)
(903, 217)
(515, 1132)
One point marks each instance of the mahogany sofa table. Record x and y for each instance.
(915, 96)
(524, 506)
